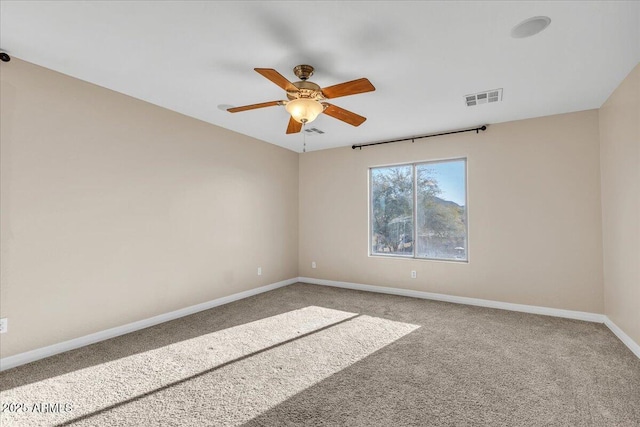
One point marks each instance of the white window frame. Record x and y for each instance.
(414, 165)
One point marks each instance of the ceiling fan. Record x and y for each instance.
(306, 100)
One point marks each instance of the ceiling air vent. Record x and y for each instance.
(486, 97)
(312, 131)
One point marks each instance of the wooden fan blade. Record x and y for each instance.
(254, 106)
(344, 115)
(293, 126)
(348, 88)
(277, 78)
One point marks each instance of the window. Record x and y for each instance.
(419, 210)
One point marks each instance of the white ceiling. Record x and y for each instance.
(422, 57)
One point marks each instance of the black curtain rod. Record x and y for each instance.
(481, 128)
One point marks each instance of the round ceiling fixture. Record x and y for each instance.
(530, 27)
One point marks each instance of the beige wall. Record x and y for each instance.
(114, 210)
(534, 215)
(620, 166)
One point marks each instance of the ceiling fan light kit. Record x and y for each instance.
(304, 110)
(305, 99)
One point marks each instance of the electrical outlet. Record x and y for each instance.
(414, 274)
(4, 325)
(313, 264)
(259, 271)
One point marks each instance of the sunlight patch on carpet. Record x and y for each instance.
(91, 389)
(241, 391)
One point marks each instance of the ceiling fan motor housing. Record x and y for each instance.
(305, 89)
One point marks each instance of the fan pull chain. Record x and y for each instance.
(304, 139)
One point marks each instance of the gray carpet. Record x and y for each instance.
(313, 355)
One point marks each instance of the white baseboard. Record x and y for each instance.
(626, 339)
(41, 353)
(556, 312)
